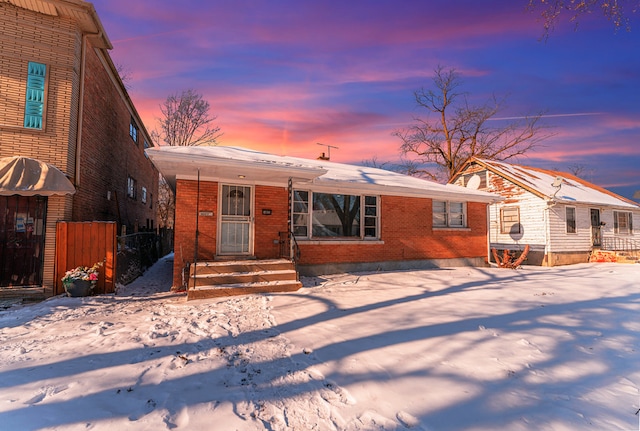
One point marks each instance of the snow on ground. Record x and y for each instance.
(449, 349)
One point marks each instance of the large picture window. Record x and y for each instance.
(449, 214)
(327, 215)
(622, 222)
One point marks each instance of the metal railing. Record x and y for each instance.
(616, 243)
(289, 248)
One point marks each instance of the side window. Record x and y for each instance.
(510, 220)
(34, 110)
(131, 187)
(571, 219)
(622, 222)
(133, 130)
(449, 214)
(143, 198)
(371, 217)
(301, 213)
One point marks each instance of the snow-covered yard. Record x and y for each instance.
(450, 349)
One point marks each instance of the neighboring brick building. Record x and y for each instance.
(63, 103)
(343, 217)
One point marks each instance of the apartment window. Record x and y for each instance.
(133, 130)
(35, 97)
(510, 220)
(327, 215)
(143, 198)
(571, 219)
(449, 214)
(622, 222)
(131, 187)
(150, 200)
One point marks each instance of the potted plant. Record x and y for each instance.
(81, 280)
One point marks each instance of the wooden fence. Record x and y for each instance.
(85, 243)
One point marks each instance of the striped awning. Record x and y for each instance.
(29, 177)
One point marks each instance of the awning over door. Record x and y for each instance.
(28, 177)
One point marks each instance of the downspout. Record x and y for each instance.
(83, 55)
(489, 234)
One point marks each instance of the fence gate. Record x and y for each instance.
(85, 243)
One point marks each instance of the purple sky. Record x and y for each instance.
(283, 75)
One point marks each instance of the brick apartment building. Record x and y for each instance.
(63, 105)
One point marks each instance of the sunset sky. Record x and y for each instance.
(284, 75)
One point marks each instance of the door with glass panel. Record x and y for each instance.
(236, 220)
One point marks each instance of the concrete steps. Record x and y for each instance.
(614, 256)
(241, 277)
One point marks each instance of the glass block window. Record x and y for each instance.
(35, 97)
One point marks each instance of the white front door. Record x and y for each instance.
(236, 220)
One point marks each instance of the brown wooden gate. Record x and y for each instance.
(85, 243)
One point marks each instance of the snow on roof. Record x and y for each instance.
(316, 173)
(572, 189)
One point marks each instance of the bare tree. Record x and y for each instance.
(455, 131)
(187, 121)
(166, 204)
(616, 11)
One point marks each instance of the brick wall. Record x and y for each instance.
(28, 36)
(406, 231)
(109, 155)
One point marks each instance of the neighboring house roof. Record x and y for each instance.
(540, 182)
(228, 163)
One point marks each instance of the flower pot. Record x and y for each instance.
(79, 287)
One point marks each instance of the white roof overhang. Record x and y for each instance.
(174, 165)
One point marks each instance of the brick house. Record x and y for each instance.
(562, 218)
(330, 217)
(65, 106)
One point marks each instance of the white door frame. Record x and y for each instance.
(235, 220)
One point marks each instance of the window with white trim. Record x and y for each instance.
(143, 198)
(510, 220)
(623, 222)
(334, 216)
(571, 219)
(449, 214)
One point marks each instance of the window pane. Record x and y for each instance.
(439, 207)
(439, 219)
(336, 215)
(457, 220)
